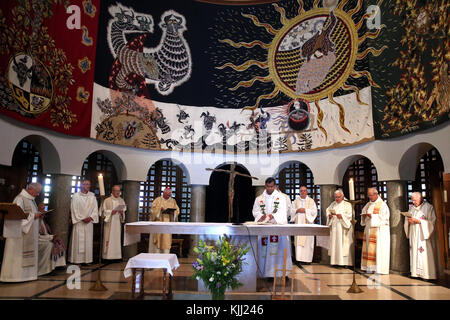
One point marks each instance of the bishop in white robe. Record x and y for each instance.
(270, 207)
(339, 219)
(304, 211)
(420, 230)
(377, 239)
(114, 212)
(20, 257)
(84, 212)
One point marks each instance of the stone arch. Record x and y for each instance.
(217, 195)
(287, 163)
(341, 168)
(182, 166)
(51, 161)
(119, 164)
(410, 159)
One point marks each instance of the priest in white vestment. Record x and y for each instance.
(288, 203)
(20, 257)
(420, 230)
(339, 219)
(84, 212)
(377, 237)
(304, 211)
(114, 211)
(52, 251)
(270, 207)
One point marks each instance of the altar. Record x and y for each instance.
(245, 233)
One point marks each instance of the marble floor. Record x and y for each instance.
(311, 282)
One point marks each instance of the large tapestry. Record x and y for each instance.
(47, 58)
(287, 76)
(412, 73)
(227, 75)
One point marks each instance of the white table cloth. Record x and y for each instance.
(152, 261)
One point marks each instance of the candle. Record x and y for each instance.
(445, 196)
(351, 188)
(100, 184)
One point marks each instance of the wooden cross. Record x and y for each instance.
(233, 173)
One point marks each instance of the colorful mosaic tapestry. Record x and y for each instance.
(47, 61)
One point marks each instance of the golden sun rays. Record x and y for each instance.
(286, 60)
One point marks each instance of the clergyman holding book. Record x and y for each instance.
(164, 208)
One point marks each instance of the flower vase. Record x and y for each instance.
(218, 295)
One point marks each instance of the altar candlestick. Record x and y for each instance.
(351, 188)
(101, 185)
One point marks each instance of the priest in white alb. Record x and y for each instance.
(52, 250)
(304, 211)
(270, 207)
(288, 203)
(20, 257)
(339, 219)
(114, 212)
(420, 230)
(84, 212)
(377, 238)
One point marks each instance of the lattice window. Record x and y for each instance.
(424, 169)
(47, 189)
(161, 175)
(76, 184)
(95, 164)
(292, 177)
(33, 162)
(34, 170)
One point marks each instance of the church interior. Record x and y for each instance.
(380, 142)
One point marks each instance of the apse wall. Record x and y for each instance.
(64, 154)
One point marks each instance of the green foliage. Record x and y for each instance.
(218, 265)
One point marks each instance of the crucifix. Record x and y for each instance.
(233, 173)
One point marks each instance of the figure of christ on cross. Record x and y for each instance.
(233, 173)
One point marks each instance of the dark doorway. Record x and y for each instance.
(217, 196)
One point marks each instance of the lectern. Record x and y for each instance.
(10, 211)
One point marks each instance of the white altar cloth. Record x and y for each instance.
(152, 261)
(133, 230)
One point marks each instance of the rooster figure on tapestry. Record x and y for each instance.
(166, 66)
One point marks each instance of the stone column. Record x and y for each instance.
(397, 200)
(326, 198)
(60, 198)
(198, 202)
(259, 190)
(130, 192)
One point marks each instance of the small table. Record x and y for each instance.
(143, 261)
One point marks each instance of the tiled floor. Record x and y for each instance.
(318, 282)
